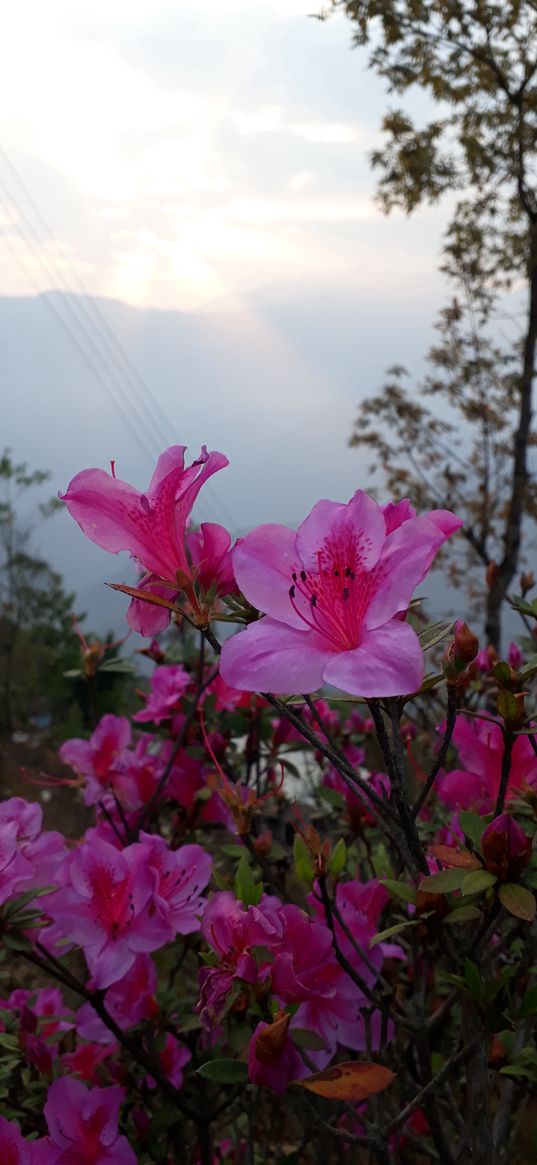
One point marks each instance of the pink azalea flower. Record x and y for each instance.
(179, 877)
(129, 1001)
(14, 1150)
(151, 525)
(187, 781)
(273, 1059)
(106, 907)
(98, 760)
(16, 871)
(86, 1060)
(480, 747)
(515, 657)
(83, 1125)
(168, 684)
(334, 595)
(44, 851)
(232, 930)
(210, 552)
(173, 1058)
(141, 769)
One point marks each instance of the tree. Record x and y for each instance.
(36, 635)
(476, 60)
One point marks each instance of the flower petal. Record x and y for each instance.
(388, 662)
(263, 562)
(271, 657)
(359, 525)
(407, 555)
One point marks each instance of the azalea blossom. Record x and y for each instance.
(150, 525)
(106, 907)
(480, 746)
(272, 1058)
(98, 761)
(210, 552)
(168, 684)
(334, 595)
(83, 1125)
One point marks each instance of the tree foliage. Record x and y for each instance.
(477, 65)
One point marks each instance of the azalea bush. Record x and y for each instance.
(301, 924)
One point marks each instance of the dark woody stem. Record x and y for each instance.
(451, 717)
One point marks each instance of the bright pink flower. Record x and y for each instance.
(14, 1150)
(305, 971)
(515, 657)
(210, 552)
(179, 877)
(46, 1004)
(273, 1059)
(480, 747)
(85, 1062)
(136, 783)
(151, 525)
(168, 684)
(334, 595)
(16, 871)
(44, 850)
(98, 760)
(128, 1001)
(232, 930)
(187, 781)
(83, 1125)
(173, 1059)
(106, 907)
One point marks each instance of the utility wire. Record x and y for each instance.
(94, 330)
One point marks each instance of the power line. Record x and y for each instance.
(93, 326)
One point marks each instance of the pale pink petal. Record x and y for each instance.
(264, 562)
(388, 662)
(405, 560)
(446, 522)
(357, 528)
(270, 657)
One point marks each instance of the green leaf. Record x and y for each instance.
(247, 890)
(530, 667)
(477, 882)
(335, 800)
(400, 890)
(529, 1004)
(472, 826)
(302, 861)
(10, 1042)
(472, 978)
(224, 1071)
(518, 901)
(233, 851)
(435, 633)
(304, 1038)
(392, 930)
(444, 882)
(463, 914)
(338, 859)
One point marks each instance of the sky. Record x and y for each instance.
(200, 169)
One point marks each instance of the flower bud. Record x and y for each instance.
(462, 651)
(491, 574)
(505, 848)
(270, 1042)
(527, 581)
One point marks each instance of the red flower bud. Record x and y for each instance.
(505, 848)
